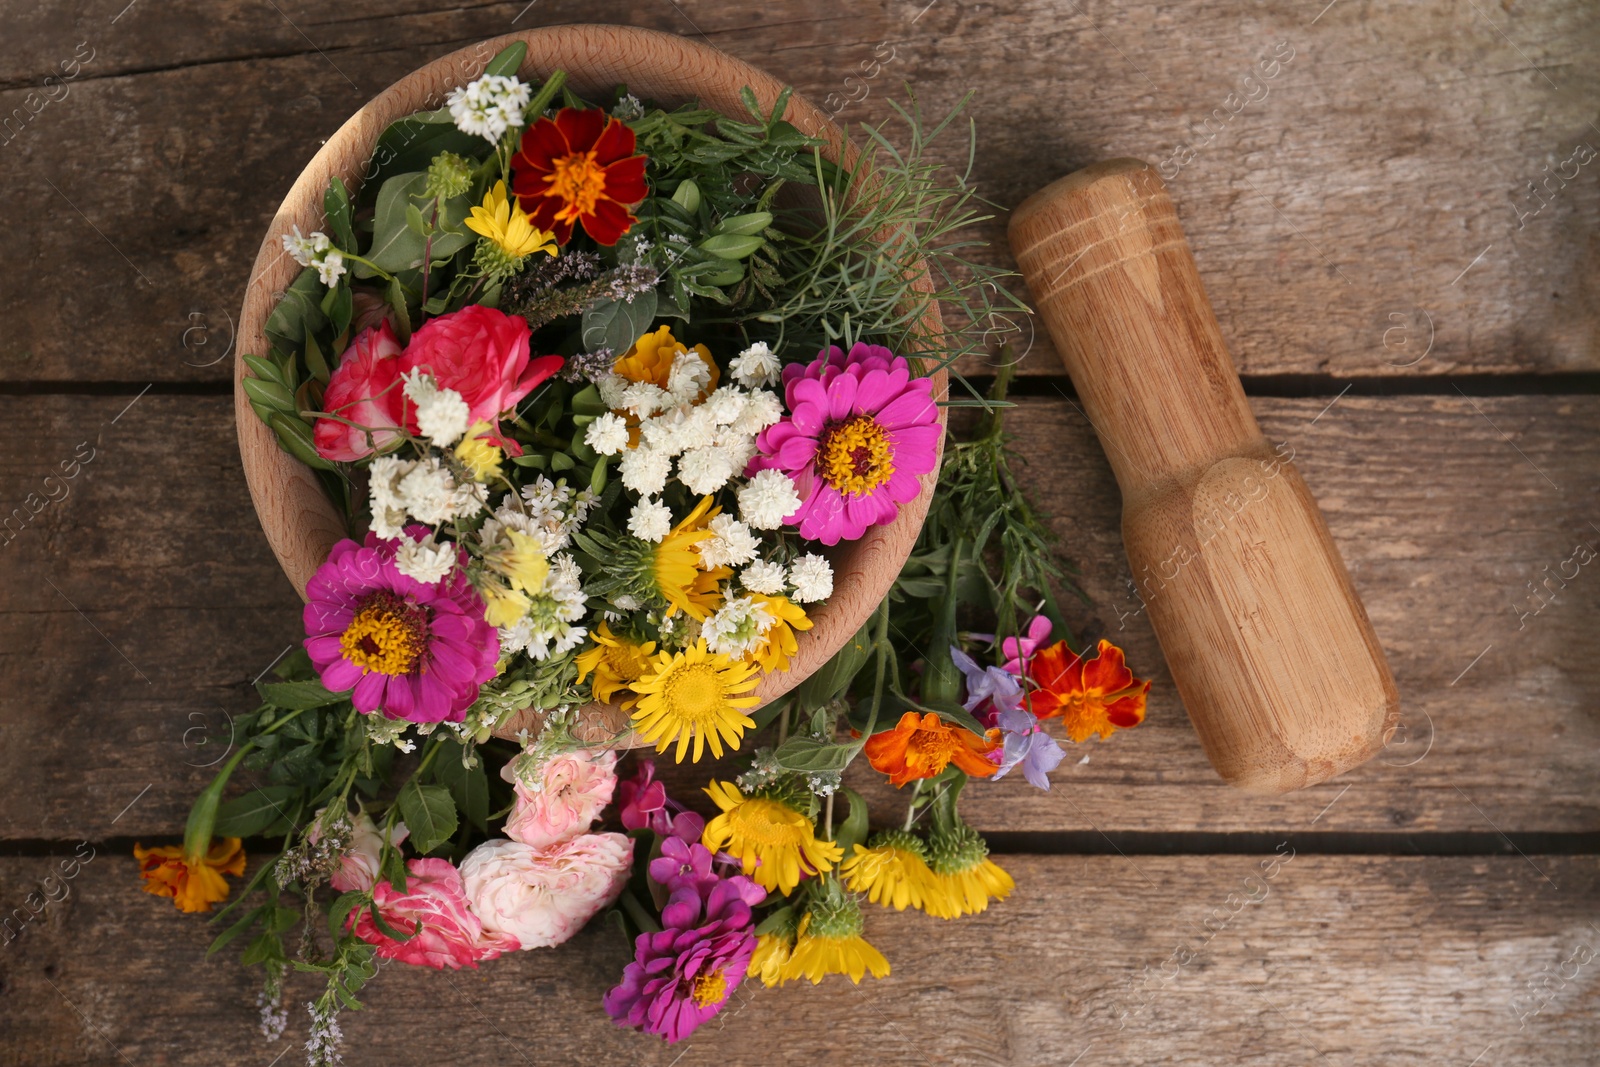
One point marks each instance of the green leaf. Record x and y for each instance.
(396, 295)
(268, 371)
(340, 909)
(731, 246)
(339, 306)
(252, 813)
(585, 401)
(617, 324)
(414, 220)
(430, 814)
(810, 756)
(469, 786)
(560, 461)
(197, 832)
(336, 206)
(295, 437)
(781, 919)
(834, 677)
(314, 361)
(270, 394)
(298, 311)
(395, 245)
(294, 696)
(265, 947)
(743, 225)
(508, 60)
(237, 928)
(687, 196)
(854, 830)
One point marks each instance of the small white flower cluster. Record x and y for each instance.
(424, 489)
(316, 251)
(756, 367)
(549, 514)
(767, 499)
(442, 415)
(425, 561)
(489, 106)
(547, 629)
(808, 580)
(733, 546)
(737, 628)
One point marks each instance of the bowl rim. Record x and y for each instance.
(300, 522)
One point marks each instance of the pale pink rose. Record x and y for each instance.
(451, 935)
(541, 897)
(358, 867)
(571, 791)
(365, 389)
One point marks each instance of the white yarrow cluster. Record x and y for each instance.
(607, 434)
(733, 545)
(812, 578)
(711, 438)
(737, 628)
(764, 577)
(650, 520)
(547, 629)
(442, 415)
(425, 561)
(767, 499)
(549, 513)
(316, 251)
(424, 489)
(755, 367)
(489, 106)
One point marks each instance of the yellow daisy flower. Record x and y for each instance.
(787, 617)
(502, 606)
(830, 942)
(677, 572)
(964, 877)
(616, 663)
(480, 456)
(694, 694)
(893, 872)
(772, 842)
(523, 564)
(502, 220)
(771, 955)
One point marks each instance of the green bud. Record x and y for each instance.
(448, 175)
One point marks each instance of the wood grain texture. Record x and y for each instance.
(1334, 220)
(302, 525)
(1442, 522)
(1285, 959)
(1267, 641)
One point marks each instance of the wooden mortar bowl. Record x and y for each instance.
(302, 524)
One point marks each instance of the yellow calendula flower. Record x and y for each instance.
(772, 842)
(964, 877)
(651, 358)
(830, 942)
(480, 455)
(193, 883)
(677, 573)
(522, 562)
(695, 695)
(615, 662)
(771, 955)
(502, 220)
(893, 871)
(787, 617)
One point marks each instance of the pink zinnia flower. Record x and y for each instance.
(859, 433)
(683, 975)
(410, 650)
(451, 935)
(572, 789)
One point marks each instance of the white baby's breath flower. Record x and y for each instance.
(628, 603)
(737, 627)
(644, 470)
(643, 399)
(611, 388)
(426, 560)
(388, 522)
(704, 470)
(764, 577)
(762, 408)
(489, 106)
(812, 577)
(330, 268)
(725, 405)
(733, 545)
(650, 520)
(768, 499)
(688, 377)
(607, 435)
(430, 493)
(755, 366)
(442, 415)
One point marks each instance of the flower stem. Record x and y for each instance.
(911, 808)
(427, 258)
(637, 912)
(827, 819)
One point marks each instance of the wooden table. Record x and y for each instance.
(1416, 321)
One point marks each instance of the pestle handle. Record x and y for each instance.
(1268, 644)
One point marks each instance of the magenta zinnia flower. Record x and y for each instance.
(860, 431)
(683, 975)
(407, 649)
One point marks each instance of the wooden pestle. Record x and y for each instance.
(1267, 641)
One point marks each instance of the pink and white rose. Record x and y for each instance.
(568, 795)
(451, 935)
(541, 897)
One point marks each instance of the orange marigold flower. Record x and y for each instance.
(193, 885)
(1097, 696)
(921, 747)
(579, 167)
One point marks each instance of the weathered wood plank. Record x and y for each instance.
(1442, 521)
(1286, 959)
(1366, 213)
